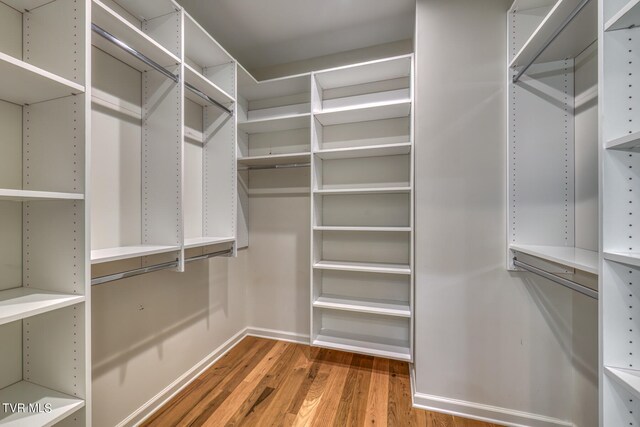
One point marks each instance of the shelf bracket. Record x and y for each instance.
(574, 286)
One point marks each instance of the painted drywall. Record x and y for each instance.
(488, 342)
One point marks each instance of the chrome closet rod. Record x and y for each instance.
(284, 166)
(211, 255)
(207, 98)
(555, 35)
(122, 45)
(131, 273)
(557, 279)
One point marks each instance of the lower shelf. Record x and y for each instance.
(197, 242)
(20, 303)
(126, 252)
(363, 305)
(48, 407)
(391, 349)
(367, 267)
(629, 379)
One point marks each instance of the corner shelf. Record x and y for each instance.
(580, 259)
(372, 306)
(364, 190)
(99, 256)
(365, 267)
(23, 302)
(275, 124)
(29, 195)
(23, 83)
(365, 151)
(205, 86)
(62, 405)
(275, 159)
(197, 242)
(201, 47)
(372, 71)
(627, 17)
(629, 379)
(360, 344)
(629, 258)
(627, 142)
(364, 113)
(367, 229)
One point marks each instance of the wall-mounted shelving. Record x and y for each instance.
(571, 257)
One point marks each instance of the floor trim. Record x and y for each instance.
(252, 331)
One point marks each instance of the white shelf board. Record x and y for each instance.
(364, 112)
(522, 5)
(580, 259)
(363, 190)
(23, 83)
(62, 405)
(275, 159)
(276, 124)
(627, 17)
(20, 303)
(148, 9)
(580, 33)
(200, 47)
(362, 305)
(110, 21)
(367, 72)
(365, 151)
(300, 191)
(197, 242)
(252, 90)
(28, 195)
(126, 252)
(629, 379)
(629, 258)
(365, 267)
(362, 345)
(627, 142)
(205, 86)
(25, 5)
(354, 228)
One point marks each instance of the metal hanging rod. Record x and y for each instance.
(557, 279)
(207, 97)
(211, 255)
(285, 166)
(122, 45)
(555, 35)
(131, 273)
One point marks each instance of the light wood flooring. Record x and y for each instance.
(263, 382)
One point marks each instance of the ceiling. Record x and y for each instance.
(260, 33)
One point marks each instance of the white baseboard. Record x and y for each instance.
(278, 335)
(481, 412)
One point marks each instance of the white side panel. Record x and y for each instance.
(10, 353)
(166, 30)
(10, 145)
(223, 76)
(10, 31)
(193, 174)
(11, 248)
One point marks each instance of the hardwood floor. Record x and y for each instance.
(263, 382)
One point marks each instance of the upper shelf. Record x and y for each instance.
(627, 142)
(205, 86)
(373, 71)
(571, 41)
(25, 5)
(577, 258)
(197, 242)
(29, 195)
(365, 112)
(627, 378)
(275, 124)
(145, 10)
(111, 22)
(275, 159)
(252, 90)
(200, 47)
(23, 83)
(627, 17)
(126, 252)
(365, 151)
(629, 258)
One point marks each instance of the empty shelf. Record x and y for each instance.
(627, 142)
(363, 345)
(365, 151)
(275, 159)
(355, 228)
(276, 124)
(62, 405)
(627, 17)
(629, 258)
(252, 90)
(20, 303)
(364, 190)
(197, 242)
(385, 308)
(629, 379)
(28, 195)
(373, 71)
(23, 83)
(125, 252)
(200, 47)
(365, 267)
(364, 113)
(111, 22)
(580, 259)
(205, 86)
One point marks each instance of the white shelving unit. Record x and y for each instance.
(362, 208)
(580, 259)
(44, 285)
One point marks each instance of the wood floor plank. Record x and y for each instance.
(326, 410)
(353, 384)
(399, 409)
(378, 399)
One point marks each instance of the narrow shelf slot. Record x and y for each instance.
(364, 112)
(365, 151)
(364, 190)
(275, 159)
(29, 195)
(126, 252)
(196, 242)
(20, 303)
(629, 258)
(627, 17)
(367, 267)
(629, 379)
(580, 259)
(62, 405)
(362, 345)
(365, 229)
(627, 142)
(276, 124)
(363, 305)
(205, 86)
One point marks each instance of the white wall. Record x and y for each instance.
(484, 336)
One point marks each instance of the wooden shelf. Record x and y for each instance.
(355, 228)
(28, 195)
(62, 405)
(275, 159)
(384, 308)
(362, 345)
(629, 258)
(579, 259)
(580, 33)
(200, 47)
(629, 379)
(372, 190)
(110, 21)
(627, 142)
(364, 113)
(373, 71)
(365, 151)
(99, 256)
(23, 83)
(20, 303)
(365, 267)
(197, 242)
(276, 124)
(627, 17)
(205, 86)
